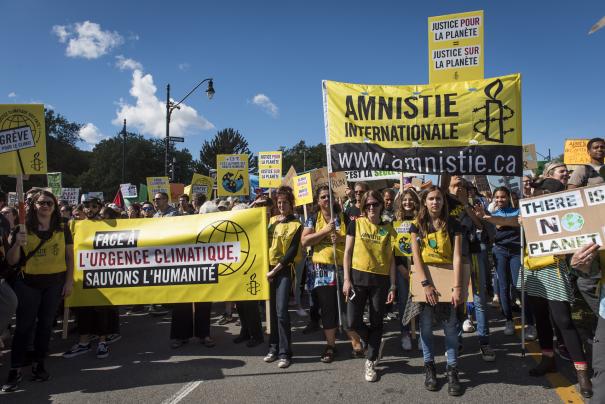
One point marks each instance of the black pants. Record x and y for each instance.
(598, 363)
(327, 299)
(102, 320)
(589, 289)
(183, 321)
(377, 296)
(249, 317)
(561, 315)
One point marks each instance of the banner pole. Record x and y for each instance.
(267, 303)
(335, 256)
(522, 273)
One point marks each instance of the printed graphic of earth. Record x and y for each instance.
(572, 221)
(233, 182)
(223, 231)
(18, 121)
(405, 244)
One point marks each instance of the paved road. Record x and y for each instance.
(143, 368)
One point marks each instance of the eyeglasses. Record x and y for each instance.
(45, 203)
(372, 205)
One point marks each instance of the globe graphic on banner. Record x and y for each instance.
(223, 231)
(19, 121)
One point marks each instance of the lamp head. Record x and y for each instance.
(210, 90)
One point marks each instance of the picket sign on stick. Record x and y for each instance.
(338, 290)
(522, 273)
(267, 305)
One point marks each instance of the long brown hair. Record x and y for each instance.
(31, 219)
(376, 195)
(400, 212)
(424, 218)
(335, 205)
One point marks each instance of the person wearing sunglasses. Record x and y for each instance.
(147, 210)
(162, 208)
(45, 254)
(369, 275)
(353, 211)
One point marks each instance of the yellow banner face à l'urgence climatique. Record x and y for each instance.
(470, 127)
(215, 257)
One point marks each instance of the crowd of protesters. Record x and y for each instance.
(356, 258)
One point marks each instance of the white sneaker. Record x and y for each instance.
(370, 373)
(530, 333)
(468, 326)
(406, 342)
(509, 328)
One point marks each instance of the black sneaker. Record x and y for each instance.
(13, 380)
(430, 376)
(39, 373)
(252, 342)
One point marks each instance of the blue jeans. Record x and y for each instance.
(479, 276)
(35, 314)
(508, 264)
(280, 339)
(403, 291)
(450, 327)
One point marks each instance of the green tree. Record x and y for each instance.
(226, 141)
(303, 157)
(144, 158)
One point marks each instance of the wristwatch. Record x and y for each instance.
(425, 283)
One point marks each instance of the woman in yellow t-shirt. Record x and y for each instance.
(369, 274)
(437, 240)
(45, 254)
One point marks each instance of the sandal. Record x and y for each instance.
(208, 342)
(328, 355)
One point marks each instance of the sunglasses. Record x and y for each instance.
(372, 205)
(358, 192)
(158, 199)
(324, 197)
(45, 203)
(147, 208)
(90, 205)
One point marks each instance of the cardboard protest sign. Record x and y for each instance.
(176, 190)
(576, 152)
(22, 139)
(530, 157)
(471, 127)
(269, 169)
(70, 195)
(197, 258)
(287, 180)
(232, 174)
(157, 184)
(12, 199)
(562, 222)
(339, 184)
(442, 277)
(456, 47)
(128, 190)
(303, 191)
(200, 184)
(54, 183)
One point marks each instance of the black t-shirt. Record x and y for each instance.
(470, 241)
(361, 278)
(351, 213)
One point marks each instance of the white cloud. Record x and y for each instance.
(148, 114)
(184, 66)
(90, 134)
(87, 39)
(12, 94)
(265, 103)
(124, 63)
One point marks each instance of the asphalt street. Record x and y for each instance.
(143, 367)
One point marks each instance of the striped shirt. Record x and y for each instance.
(551, 283)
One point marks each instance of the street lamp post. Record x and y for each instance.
(171, 106)
(124, 153)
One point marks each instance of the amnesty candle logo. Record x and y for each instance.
(489, 123)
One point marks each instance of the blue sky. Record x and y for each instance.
(268, 59)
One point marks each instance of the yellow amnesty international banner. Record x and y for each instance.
(269, 169)
(232, 174)
(456, 47)
(22, 139)
(576, 151)
(471, 127)
(303, 191)
(157, 184)
(215, 257)
(201, 184)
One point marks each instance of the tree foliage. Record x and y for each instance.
(58, 127)
(303, 157)
(226, 141)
